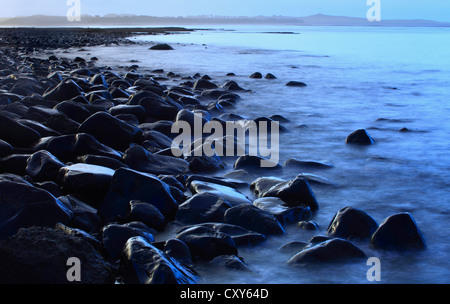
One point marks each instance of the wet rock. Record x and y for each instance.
(147, 214)
(136, 110)
(17, 134)
(240, 235)
(110, 131)
(307, 225)
(15, 163)
(22, 205)
(256, 75)
(178, 250)
(67, 147)
(130, 185)
(205, 243)
(205, 164)
(138, 158)
(43, 130)
(270, 76)
(114, 237)
(307, 164)
(102, 161)
(360, 137)
(39, 256)
(296, 84)
(43, 166)
(398, 232)
(330, 251)
(228, 194)
(88, 182)
(73, 110)
(81, 234)
(5, 148)
(65, 90)
(249, 162)
(204, 84)
(284, 214)
(349, 223)
(294, 193)
(85, 217)
(202, 208)
(142, 263)
(263, 184)
(254, 219)
(161, 47)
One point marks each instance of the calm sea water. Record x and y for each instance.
(355, 76)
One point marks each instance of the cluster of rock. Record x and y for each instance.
(87, 171)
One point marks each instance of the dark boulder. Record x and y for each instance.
(111, 131)
(43, 166)
(330, 251)
(5, 148)
(136, 110)
(294, 193)
(15, 163)
(306, 164)
(128, 185)
(398, 232)
(263, 184)
(227, 193)
(74, 110)
(142, 263)
(17, 134)
(178, 250)
(115, 236)
(256, 75)
(360, 137)
(230, 262)
(349, 223)
(85, 217)
(252, 162)
(296, 84)
(254, 219)
(22, 205)
(103, 161)
(161, 47)
(205, 243)
(147, 214)
(284, 214)
(308, 225)
(138, 158)
(89, 183)
(65, 90)
(41, 256)
(204, 84)
(202, 208)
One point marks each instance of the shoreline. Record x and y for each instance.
(59, 37)
(70, 99)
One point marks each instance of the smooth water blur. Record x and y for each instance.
(380, 79)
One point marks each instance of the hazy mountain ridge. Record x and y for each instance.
(136, 20)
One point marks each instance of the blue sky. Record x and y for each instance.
(390, 9)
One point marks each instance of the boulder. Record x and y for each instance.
(90, 183)
(296, 84)
(17, 134)
(43, 166)
(228, 194)
(330, 251)
(263, 184)
(178, 250)
(65, 90)
(398, 232)
(284, 214)
(85, 217)
(5, 148)
(254, 219)
(201, 208)
(240, 235)
(111, 131)
(147, 214)
(130, 185)
(206, 244)
(142, 263)
(360, 137)
(294, 193)
(115, 236)
(161, 47)
(251, 162)
(138, 158)
(349, 223)
(230, 262)
(39, 255)
(22, 205)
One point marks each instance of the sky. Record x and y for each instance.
(438, 10)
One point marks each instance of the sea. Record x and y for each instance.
(394, 82)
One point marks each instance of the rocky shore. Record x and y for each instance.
(87, 172)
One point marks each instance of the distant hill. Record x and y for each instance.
(135, 20)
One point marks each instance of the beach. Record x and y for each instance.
(87, 161)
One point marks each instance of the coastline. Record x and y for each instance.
(104, 102)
